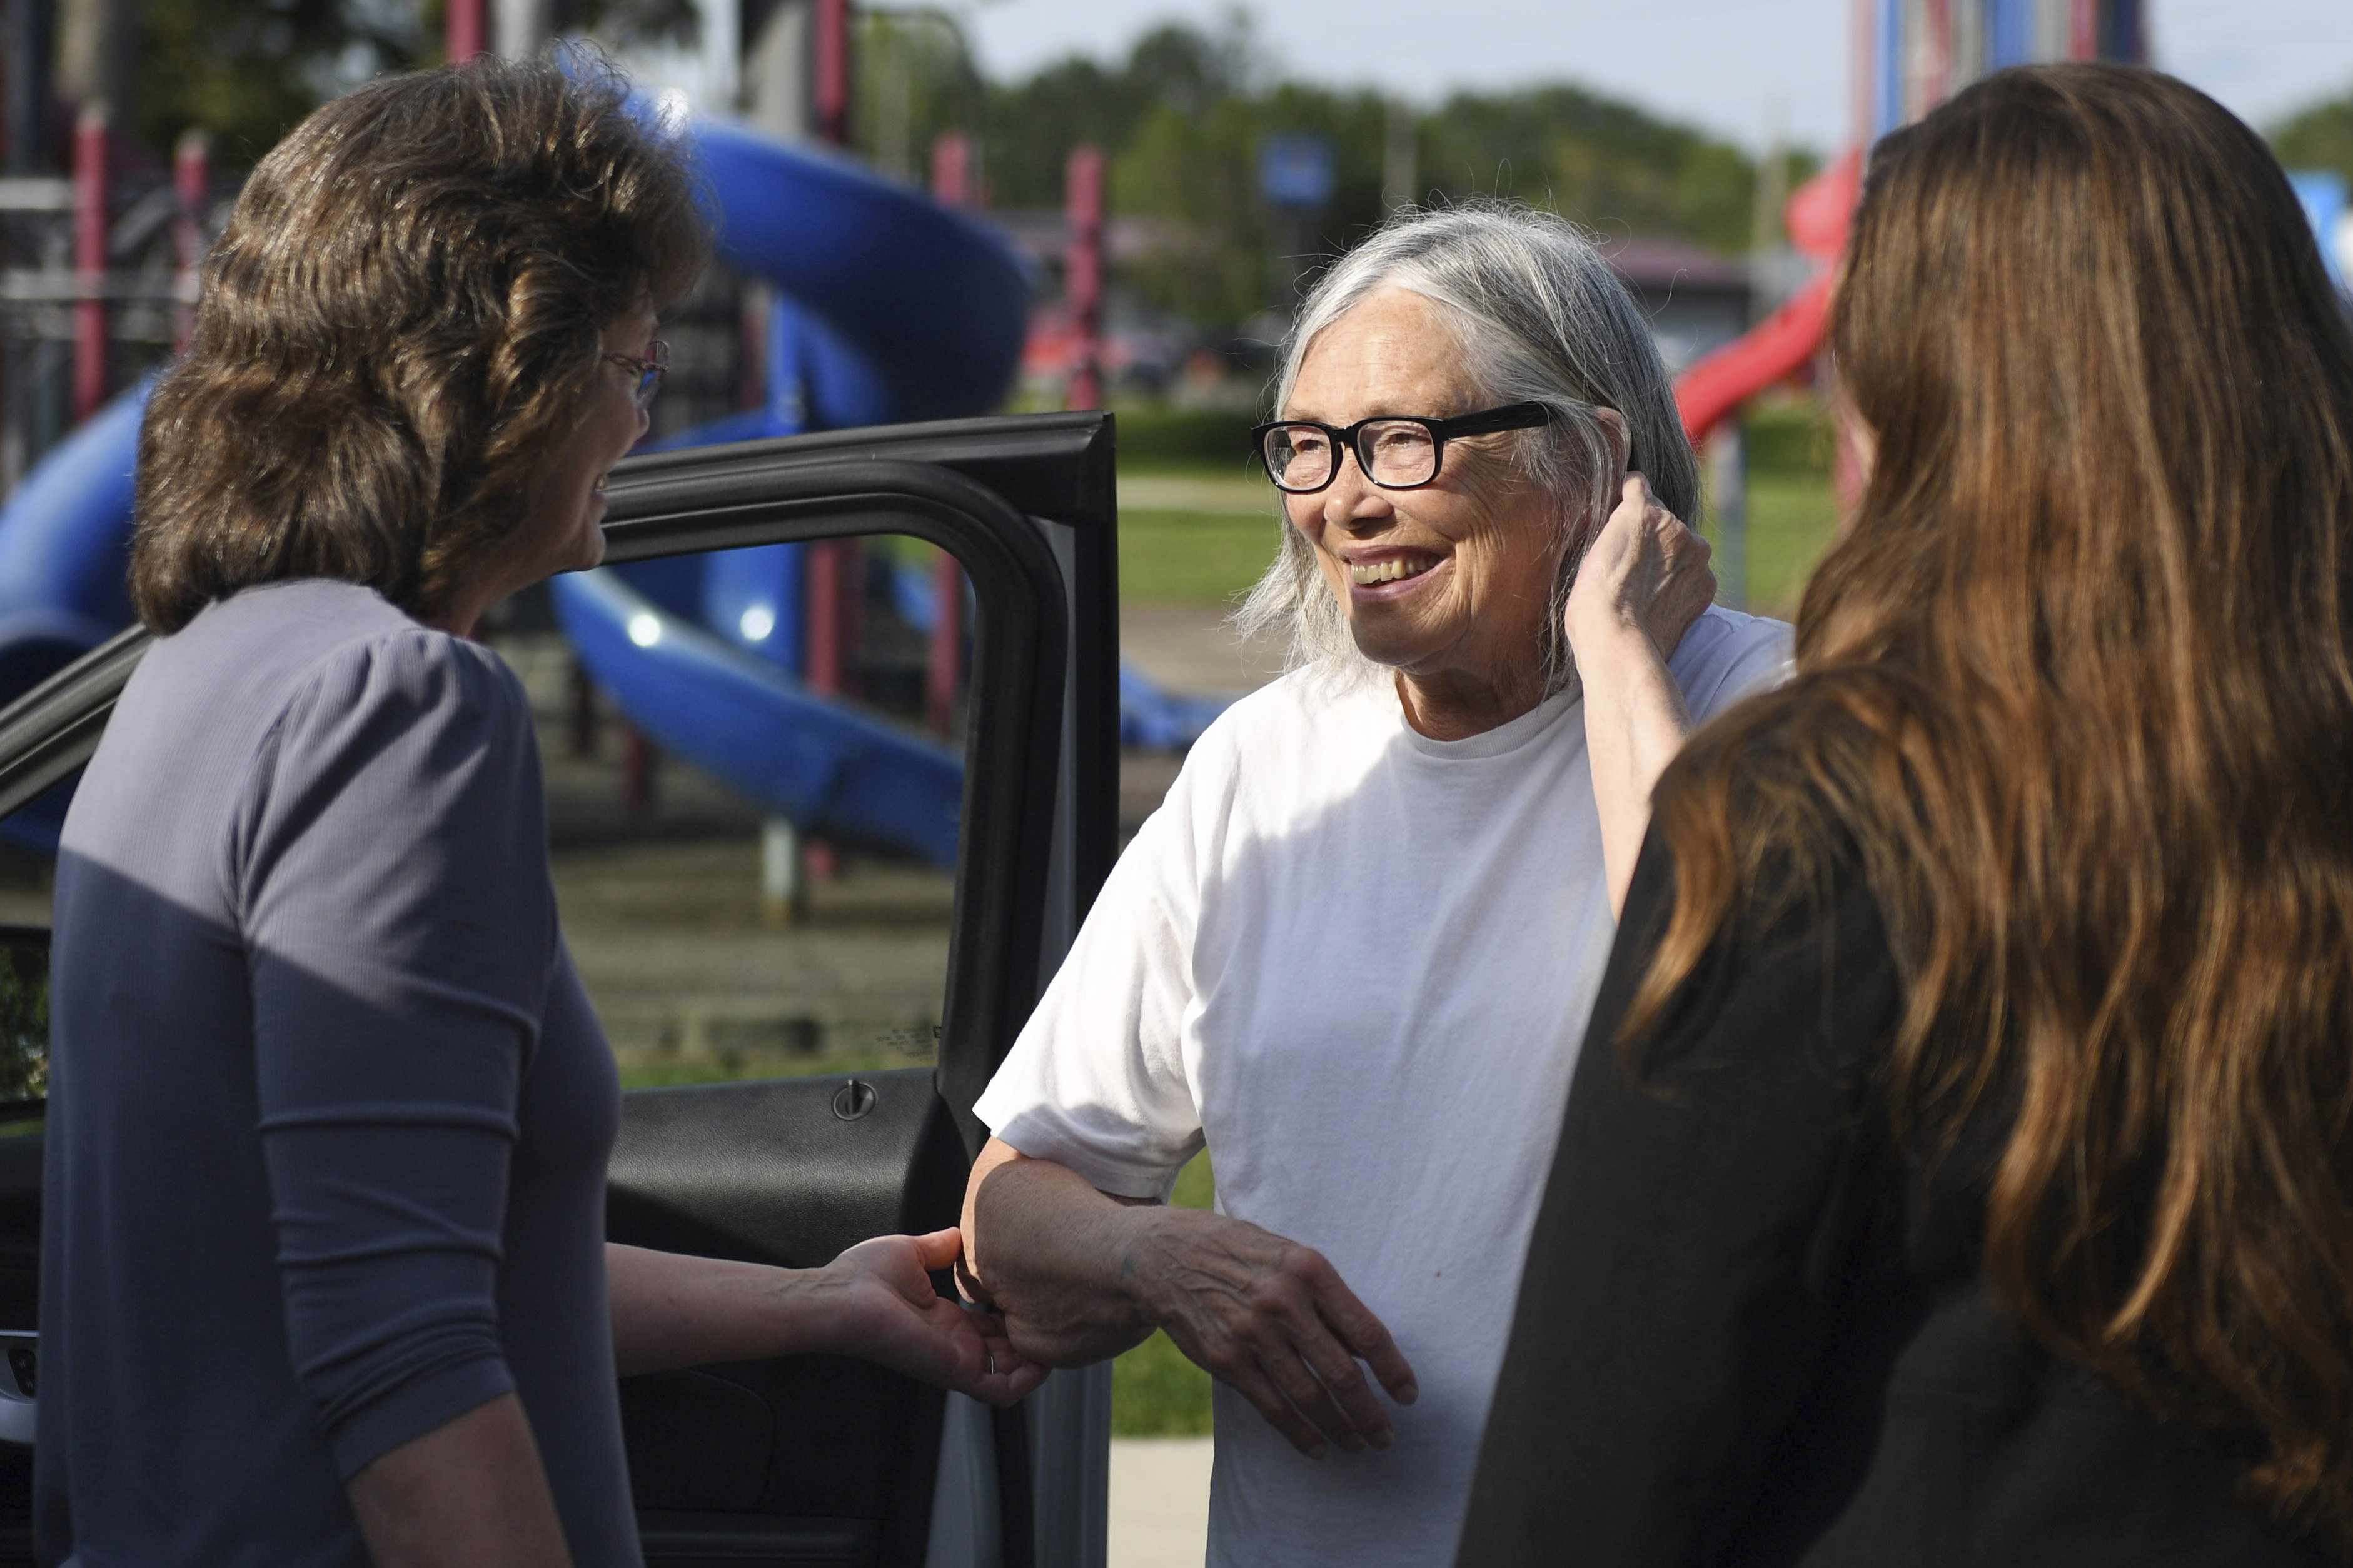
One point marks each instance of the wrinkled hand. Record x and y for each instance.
(890, 1314)
(1644, 571)
(1272, 1319)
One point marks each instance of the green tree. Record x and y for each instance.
(1183, 116)
(916, 79)
(2319, 138)
(1605, 164)
(247, 70)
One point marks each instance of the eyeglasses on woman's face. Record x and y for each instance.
(648, 370)
(1396, 451)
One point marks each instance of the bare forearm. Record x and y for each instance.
(672, 1311)
(1057, 1256)
(1635, 722)
(472, 1491)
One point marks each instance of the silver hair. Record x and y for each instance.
(1539, 318)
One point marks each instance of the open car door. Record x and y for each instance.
(776, 1133)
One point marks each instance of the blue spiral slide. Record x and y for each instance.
(890, 308)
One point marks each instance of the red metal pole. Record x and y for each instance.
(582, 701)
(2084, 30)
(192, 179)
(1083, 182)
(830, 47)
(90, 190)
(640, 763)
(470, 30)
(952, 170)
(1939, 62)
(831, 582)
(944, 672)
(823, 566)
(829, 569)
(952, 185)
(821, 593)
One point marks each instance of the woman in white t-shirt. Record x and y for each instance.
(1353, 951)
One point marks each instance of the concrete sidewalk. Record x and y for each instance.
(1159, 1502)
(1189, 647)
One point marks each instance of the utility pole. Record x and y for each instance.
(1399, 174)
(722, 54)
(1769, 281)
(519, 28)
(98, 60)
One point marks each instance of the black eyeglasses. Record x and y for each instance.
(1396, 451)
(648, 370)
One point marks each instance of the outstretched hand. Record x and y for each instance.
(1644, 571)
(1274, 1321)
(890, 1313)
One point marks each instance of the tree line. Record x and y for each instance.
(1180, 117)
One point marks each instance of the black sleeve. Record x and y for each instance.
(1709, 1236)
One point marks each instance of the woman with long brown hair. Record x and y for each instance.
(1973, 1183)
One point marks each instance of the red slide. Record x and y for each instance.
(1784, 342)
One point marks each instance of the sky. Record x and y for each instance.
(1732, 65)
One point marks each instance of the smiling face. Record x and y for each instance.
(565, 527)
(1450, 584)
(565, 530)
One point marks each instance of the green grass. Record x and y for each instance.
(1210, 557)
(1790, 522)
(670, 1075)
(1155, 1391)
(1192, 556)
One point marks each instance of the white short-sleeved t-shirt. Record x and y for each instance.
(1357, 963)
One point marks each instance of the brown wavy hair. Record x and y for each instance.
(398, 330)
(2077, 681)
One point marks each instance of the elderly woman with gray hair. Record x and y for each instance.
(1353, 952)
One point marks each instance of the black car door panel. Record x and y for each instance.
(819, 1459)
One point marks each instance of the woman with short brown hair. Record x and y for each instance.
(324, 1270)
(1975, 1185)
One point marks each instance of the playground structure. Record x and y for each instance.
(881, 306)
(890, 308)
(1910, 56)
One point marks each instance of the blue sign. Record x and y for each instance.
(1296, 170)
(2322, 195)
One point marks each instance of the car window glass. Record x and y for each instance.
(27, 876)
(753, 766)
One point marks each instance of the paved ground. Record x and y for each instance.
(1159, 1502)
(1190, 647)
